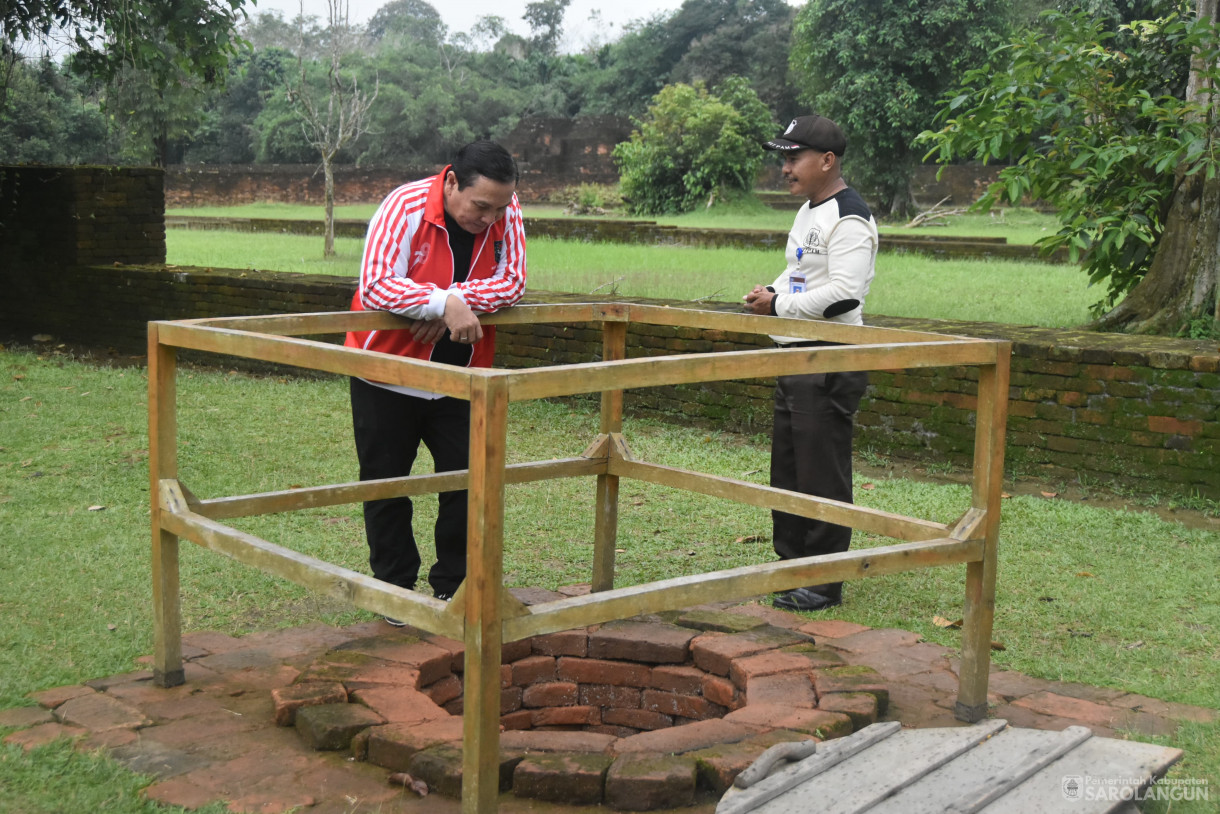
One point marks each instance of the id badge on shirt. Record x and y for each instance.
(796, 277)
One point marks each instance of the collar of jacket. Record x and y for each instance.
(434, 209)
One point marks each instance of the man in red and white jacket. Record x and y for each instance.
(439, 251)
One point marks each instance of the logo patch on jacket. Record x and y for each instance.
(498, 247)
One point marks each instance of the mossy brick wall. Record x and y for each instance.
(1136, 411)
(54, 216)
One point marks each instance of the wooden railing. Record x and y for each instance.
(482, 613)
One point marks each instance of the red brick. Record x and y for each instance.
(616, 731)
(445, 690)
(637, 718)
(22, 717)
(511, 699)
(599, 671)
(861, 707)
(715, 652)
(678, 739)
(99, 712)
(641, 641)
(1087, 713)
(515, 651)
(824, 725)
(567, 716)
(742, 670)
(562, 778)
(519, 719)
(432, 662)
(457, 651)
(831, 628)
(1173, 426)
(555, 741)
(532, 669)
(289, 699)
(718, 766)
(649, 782)
(551, 694)
(686, 706)
(563, 643)
(794, 689)
(678, 678)
(400, 705)
(52, 698)
(391, 746)
(876, 640)
(608, 696)
(719, 690)
(855, 678)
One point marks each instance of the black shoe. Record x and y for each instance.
(803, 599)
(394, 622)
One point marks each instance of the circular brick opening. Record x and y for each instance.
(637, 714)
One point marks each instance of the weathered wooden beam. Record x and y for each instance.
(655, 371)
(408, 486)
(737, 583)
(769, 497)
(162, 464)
(303, 353)
(365, 592)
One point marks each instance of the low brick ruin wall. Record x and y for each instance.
(1135, 411)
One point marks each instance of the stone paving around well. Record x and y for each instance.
(318, 718)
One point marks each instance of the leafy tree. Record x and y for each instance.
(545, 19)
(704, 40)
(694, 146)
(336, 116)
(879, 68)
(112, 35)
(52, 117)
(1101, 125)
(229, 132)
(407, 19)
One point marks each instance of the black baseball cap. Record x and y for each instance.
(810, 132)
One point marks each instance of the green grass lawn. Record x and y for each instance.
(906, 285)
(1111, 598)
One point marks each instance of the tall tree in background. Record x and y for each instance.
(110, 36)
(1120, 131)
(545, 19)
(879, 68)
(338, 115)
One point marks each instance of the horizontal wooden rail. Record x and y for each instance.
(874, 521)
(317, 575)
(380, 367)
(782, 326)
(750, 580)
(409, 486)
(656, 371)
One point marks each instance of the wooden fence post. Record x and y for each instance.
(483, 591)
(988, 483)
(163, 464)
(605, 522)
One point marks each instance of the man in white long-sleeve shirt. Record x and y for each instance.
(831, 253)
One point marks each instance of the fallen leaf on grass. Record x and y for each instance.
(749, 538)
(941, 621)
(1050, 494)
(112, 626)
(97, 508)
(868, 487)
(1085, 574)
(620, 551)
(408, 782)
(751, 472)
(998, 646)
(1135, 645)
(1004, 496)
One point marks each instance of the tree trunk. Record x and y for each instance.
(328, 172)
(1181, 284)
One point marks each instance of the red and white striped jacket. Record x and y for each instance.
(408, 269)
